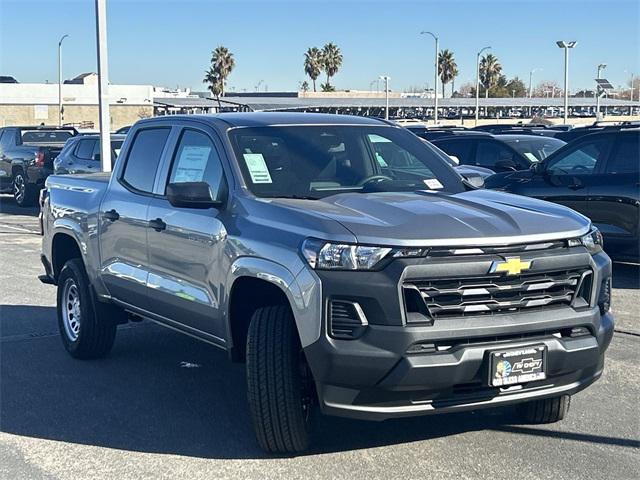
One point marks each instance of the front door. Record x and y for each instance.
(123, 219)
(186, 245)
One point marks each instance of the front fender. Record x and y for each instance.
(302, 289)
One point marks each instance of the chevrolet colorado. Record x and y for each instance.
(342, 259)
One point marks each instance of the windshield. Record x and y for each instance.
(534, 149)
(46, 136)
(318, 161)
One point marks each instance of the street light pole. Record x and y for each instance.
(60, 80)
(386, 95)
(478, 82)
(103, 85)
(601, 67)
(531, 81)
(566, 46)
(435, 78)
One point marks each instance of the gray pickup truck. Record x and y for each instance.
(342, 259)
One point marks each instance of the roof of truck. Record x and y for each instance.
(262, 119)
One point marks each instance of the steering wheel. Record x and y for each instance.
(374, 179)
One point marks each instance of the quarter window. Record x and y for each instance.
(144, 158)
(84, 150)
(626, 159)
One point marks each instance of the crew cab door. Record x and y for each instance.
(615, 196)
(567, 178)
(187, 265)
(123, 218)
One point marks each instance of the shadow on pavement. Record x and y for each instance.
(8, 205)
(163, 392)
(626, 276)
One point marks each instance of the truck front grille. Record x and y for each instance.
(495, 294)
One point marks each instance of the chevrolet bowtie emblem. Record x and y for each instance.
(510, 266)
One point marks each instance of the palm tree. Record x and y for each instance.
(222, 63)
(447, 68)
(331, 60)
(313, 64)
(490, 71)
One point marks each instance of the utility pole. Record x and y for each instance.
(601, 67)
(386, 79)
(60, 80)
(435, 78)
(103, 85)
(478, 83)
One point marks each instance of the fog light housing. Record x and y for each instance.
(604, 300)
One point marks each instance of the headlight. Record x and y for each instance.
(592, 241)
(323, 255)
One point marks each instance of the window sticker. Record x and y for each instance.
(433, 183)
(530, 156)
(257, 168)
(380, 160)
(192, 164)
(378, 139)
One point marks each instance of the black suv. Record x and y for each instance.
(500, 153)
(599, 176)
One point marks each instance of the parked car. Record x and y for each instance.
(596, 175)
(500, 153)
(431, 133)
(519, 128)
(575, 133)
(123, 130)
(26, 159)
(81, 154)
(345, 283)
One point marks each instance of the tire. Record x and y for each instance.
(87, 327)
(548, 410)
(278, 383)
(24, 193)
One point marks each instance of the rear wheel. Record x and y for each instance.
(279, 383)
(24, 193)
(87, 328)
(548, 410)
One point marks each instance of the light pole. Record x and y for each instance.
(478, 82)
(60, 80)
(386, 95)
(435, 79)
(601, 67)
(566, 46)
(103, 85)
(531, 80)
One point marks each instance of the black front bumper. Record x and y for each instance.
(404, 370)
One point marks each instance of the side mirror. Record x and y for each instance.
(537, 167)
(192, 195)
(455, 159)
(475, 181)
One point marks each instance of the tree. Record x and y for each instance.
(313, 64)
(331, 61)
(490, 71)
(516, 88)
(447, 69)
(304, 86)
(547, 88)
(467, 90)
(222, 63)
(327, 87)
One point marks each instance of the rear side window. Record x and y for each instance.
(144, 158)
(8, 137)
(84, 150)
(626, 158)
(457, 148)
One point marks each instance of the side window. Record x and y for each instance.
(196, 160)
(490, 154)
(84, 149)
(458, 148)
(581, 160)
(144, 158)
(626, 158)
(7, 135)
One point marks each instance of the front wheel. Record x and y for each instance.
(279, 383)
(87, 330)
(547, 410)
(24, 193)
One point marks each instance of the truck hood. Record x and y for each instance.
(479, 217)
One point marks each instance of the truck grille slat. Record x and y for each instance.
(451, 297)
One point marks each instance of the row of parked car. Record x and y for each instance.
(593, 170)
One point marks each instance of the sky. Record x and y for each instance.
(169, 42)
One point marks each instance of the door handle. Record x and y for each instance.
(112, 215)
(157, 224)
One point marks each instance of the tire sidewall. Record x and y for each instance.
(74, 270)
(24, 183)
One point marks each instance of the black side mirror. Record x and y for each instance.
(193, 195)
(537, 168)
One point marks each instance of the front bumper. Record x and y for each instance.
(383, 375)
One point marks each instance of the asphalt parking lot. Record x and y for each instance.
(163, 405)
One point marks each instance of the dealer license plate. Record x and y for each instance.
(518, 365)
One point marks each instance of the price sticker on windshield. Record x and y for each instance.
(433, 184)
(257, 168)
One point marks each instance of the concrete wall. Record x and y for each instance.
(23, 114)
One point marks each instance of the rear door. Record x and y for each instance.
(615, 196)
(567, 177)
(123, 217)
(186, 252)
